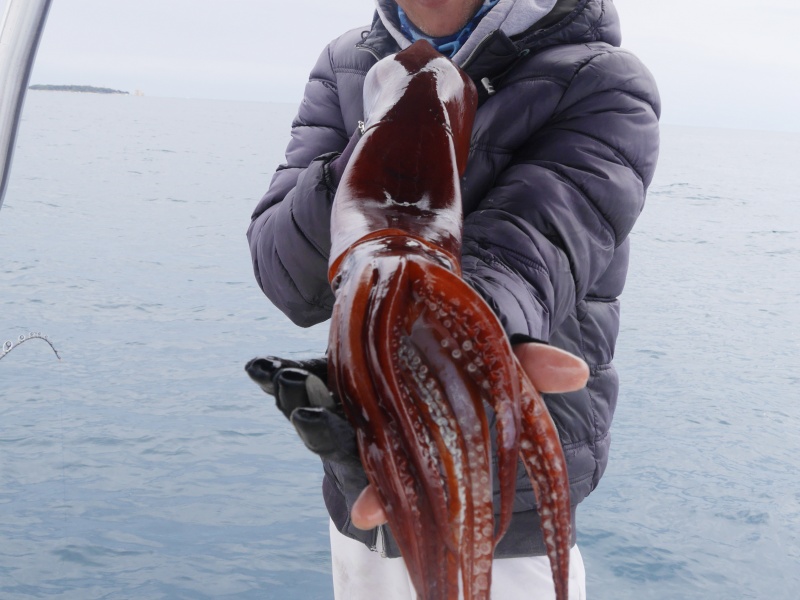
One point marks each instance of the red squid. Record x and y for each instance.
(415, 354)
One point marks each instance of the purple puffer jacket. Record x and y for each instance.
(562, 153)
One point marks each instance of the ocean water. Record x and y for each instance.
(144, 463)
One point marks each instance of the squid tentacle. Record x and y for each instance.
(543, 457)
(421, 444)
(384, 460)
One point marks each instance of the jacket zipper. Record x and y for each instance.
(486, 82)
(470, 58)
(489, 84)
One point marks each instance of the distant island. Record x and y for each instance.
(76, 88)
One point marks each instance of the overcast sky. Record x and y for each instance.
(728, 63)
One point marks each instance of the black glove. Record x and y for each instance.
(302, 395)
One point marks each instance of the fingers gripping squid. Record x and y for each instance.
(416, 354)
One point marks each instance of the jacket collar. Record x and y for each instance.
(378, 41)
(494, 53)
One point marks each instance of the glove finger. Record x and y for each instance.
(297, 387)
(315, 366)
(318, 393)
(262, 371)
(290, 390)
(327, 434)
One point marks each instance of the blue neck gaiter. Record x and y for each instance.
(448, 45)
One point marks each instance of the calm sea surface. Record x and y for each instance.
(144, 464)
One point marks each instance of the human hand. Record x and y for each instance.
(302, 395)
(550, 370)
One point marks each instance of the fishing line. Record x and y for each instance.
(8, 346)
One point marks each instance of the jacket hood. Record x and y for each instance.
(512, 17)
(525, 23)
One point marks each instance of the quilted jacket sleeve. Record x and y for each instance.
(289, 234)
(549, 228)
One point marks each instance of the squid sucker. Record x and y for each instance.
(415, 354)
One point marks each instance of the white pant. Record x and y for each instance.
(360, 574)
